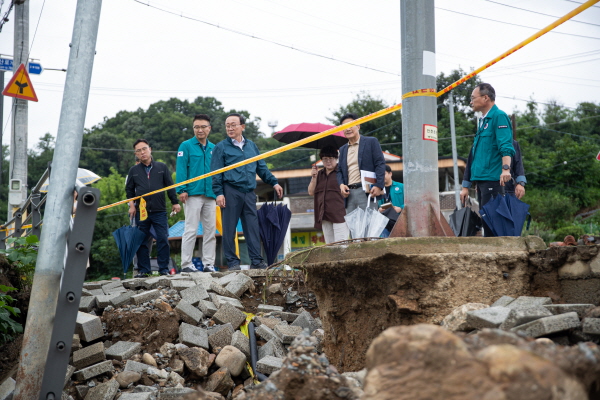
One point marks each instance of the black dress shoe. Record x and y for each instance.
(141, 275)
(234, 268)
(260, 265)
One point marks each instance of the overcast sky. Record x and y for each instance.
(154, 50)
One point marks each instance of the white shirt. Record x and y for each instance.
(239, 144)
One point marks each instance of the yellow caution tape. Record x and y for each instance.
(421, 92)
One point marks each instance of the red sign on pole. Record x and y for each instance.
(598, 157)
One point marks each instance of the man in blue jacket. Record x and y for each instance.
(360, 153)
(193, 159)
(235, 190)
(492, 149)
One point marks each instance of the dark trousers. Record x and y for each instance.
(242, 206)
(485, 191)
(157, 220)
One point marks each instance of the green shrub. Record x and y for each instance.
(573, 230)
(22, 253)
(551, 207)
(8, 327)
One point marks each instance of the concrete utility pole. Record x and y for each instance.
(457, 184)
(419, 119)
(49, 267)
(18, 142)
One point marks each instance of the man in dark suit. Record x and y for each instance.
(361, 153)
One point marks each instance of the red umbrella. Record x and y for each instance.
(295, 132)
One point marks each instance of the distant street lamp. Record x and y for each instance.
(272, 124)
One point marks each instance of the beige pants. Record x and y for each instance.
(199, 209)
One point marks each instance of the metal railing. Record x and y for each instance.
(31, 224)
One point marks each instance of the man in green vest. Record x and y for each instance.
(193, 159)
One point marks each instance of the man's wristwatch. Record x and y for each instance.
(506, 166)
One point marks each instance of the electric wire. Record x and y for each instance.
(539, 13)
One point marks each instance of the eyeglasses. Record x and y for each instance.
(143, 149)
(328, 159)
(475, 97)
(197, 127)
(232, 126)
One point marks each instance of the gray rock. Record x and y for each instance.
(285, 316)
(491, 317)
(220, 381)
(529, 301)
(268, 321)
(94, 370)
(104, 391)
(268, 308)
(266, 333)
(115, 285)
(89, 355)
(232, 359)
(287, 333)
(7, 389)
(70, 371)
(225, 280)
(132, 283)
(87, 303)
(220, 301)
(591, 326)
(126, 378)
(159, 373)
(123, 350)
(97, 292)
(207, 307)
(203, 279)
(456, 321)
(503, 301)
(269, 364)
(145, 296)
(193, 336)
(520, 316)
(291, 297)
(241, 342)
(229, 314)
(580, 309)
(194, 294)
(276, 288)
(306, 321)
(145, 389)
(220, 336)
(189, 313)
(136, 366)
(153, 283)
(88, 327)
(196, 360)
(273, 348)
(94, 285)
(218, 289)
(240, 284)
(549, 325)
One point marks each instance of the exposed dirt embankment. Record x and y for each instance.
(406, 281)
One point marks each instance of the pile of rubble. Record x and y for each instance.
(168, 336)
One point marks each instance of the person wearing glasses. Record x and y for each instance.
(329, 209)
(193, 159)
(361, 153)
(146, 177)
(492, 150)
(235, 190)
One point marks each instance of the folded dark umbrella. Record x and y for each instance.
(273, 224)
(128, 238)
(505, 215)
(465, 222)
(293, 133)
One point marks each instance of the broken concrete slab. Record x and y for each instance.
(549, 325)
(175, 393)
(145, 296)
(193, 336)
(491, 317)
(503, 301)
(219, 301)
(103, 301)
(123, 350)
(220, 290)
(268, 321)
(94, 370)
(305, 321)
(88, 327)
(580, 309)
(104, 391)
(181, 284)
(229, 314)
(136, 366)
(89, 355)
(189, 313)
(269, 364)
(241, 342)
(121, 300)
(208, 308)
(87, 303)
(273, 347)
(287, 333)
(138, 396)
(266, 308)
(529, 301)
(221, 336)
(591, 326)
(240, 284)
(194, 294)
(266, 333)
(520, 316)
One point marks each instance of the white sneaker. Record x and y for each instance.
(209, 268)
(190, 269)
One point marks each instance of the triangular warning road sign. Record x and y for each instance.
(20, 86)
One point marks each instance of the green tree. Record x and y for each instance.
(39, 158)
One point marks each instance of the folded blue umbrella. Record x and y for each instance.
(128, 238)
(505, 215)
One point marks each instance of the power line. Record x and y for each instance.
(513, 24)
(5, 17)
(537, 12)
(266, 40)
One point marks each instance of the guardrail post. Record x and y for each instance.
(18, 223)
(2, 239)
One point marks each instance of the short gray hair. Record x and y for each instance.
(485, 89)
